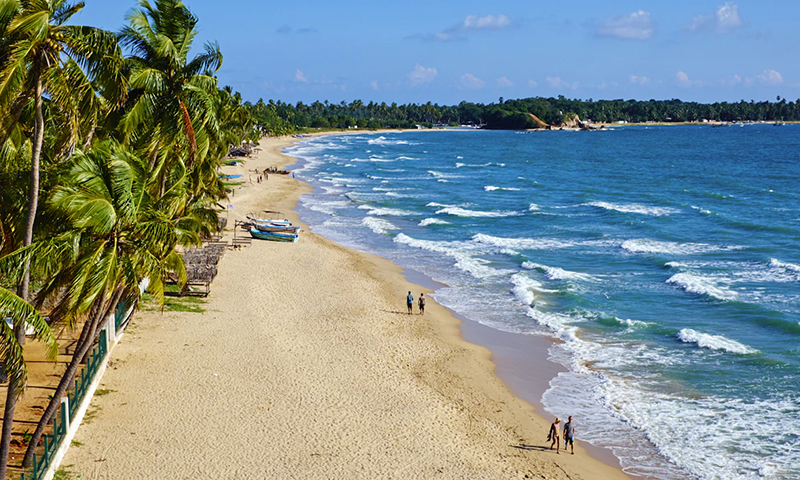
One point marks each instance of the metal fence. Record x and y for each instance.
(52, 442)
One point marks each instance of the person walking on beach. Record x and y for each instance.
(569, 435)
(553, 436)
(421, 303)
(410, 303)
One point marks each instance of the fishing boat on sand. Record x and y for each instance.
(268, 221)
(273, 236)
(272, 228)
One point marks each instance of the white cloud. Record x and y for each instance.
(421, 75)
(602, 86)
(471, 82)
(300, 77)
(770, 77)
(374, 85)
(637, 25)
(532, 83)
(726, 18)
(636, 80)
(459, 31)
(474, 22)
(683, 80)
(731, 80)
(556, 82)
(504, 82)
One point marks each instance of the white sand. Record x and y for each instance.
(304, 365)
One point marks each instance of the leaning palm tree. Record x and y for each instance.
(123, 235)
(43, 57)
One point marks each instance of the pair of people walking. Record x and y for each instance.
(410, 303)
(569, 435)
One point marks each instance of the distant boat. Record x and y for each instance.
(275, 236)
(779, 123)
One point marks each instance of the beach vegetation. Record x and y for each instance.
(110, 146)
(279, 118)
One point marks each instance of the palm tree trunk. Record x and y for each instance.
(100, 311)
(15, 390)
(190, 135)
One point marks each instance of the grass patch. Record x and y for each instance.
(174, 304)
(91, 414)
(76, 443)
(103, 391)
(63, 473)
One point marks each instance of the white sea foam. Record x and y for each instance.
(440, 175)
(790, 267)
(524, 287)
(555, 273)
(492, 188)
(378, 225)
(384, 141)
(646, 245)
(403, 157)
(702, 210)
(701, 285)
(557, 323)
(436, 204)
(381, 212)
(521, 243)
(477, 267)
(533, 207)
(463, 212)
(432, 221)
(676, 265)
(635, 208)
(326, 207)
(714, 342)
(478, 165)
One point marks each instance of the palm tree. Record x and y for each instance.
(124, 235)
(170, 93)
(43, 57)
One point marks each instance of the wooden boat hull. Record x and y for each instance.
(276, 228)
(268, 221)
(273, 236)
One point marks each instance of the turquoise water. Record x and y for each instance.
(665, 261)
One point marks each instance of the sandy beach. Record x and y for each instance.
(304, 364)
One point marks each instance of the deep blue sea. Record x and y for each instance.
(664, 261)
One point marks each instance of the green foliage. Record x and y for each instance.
(280, 118)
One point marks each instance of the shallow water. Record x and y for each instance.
(665, 258)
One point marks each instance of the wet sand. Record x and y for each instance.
(305, 365)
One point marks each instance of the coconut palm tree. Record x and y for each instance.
(44, 57)
(123, 234)
(171, 94)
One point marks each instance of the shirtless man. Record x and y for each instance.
(421, 303)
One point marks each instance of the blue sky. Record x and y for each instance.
(447, 51)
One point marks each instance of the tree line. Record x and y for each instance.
(109, 150)
(281, 118)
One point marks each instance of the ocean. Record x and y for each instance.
(663, 261)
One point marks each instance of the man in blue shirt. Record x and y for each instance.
(410, 302)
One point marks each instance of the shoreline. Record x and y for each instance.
(506, 349)
(320, 349)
